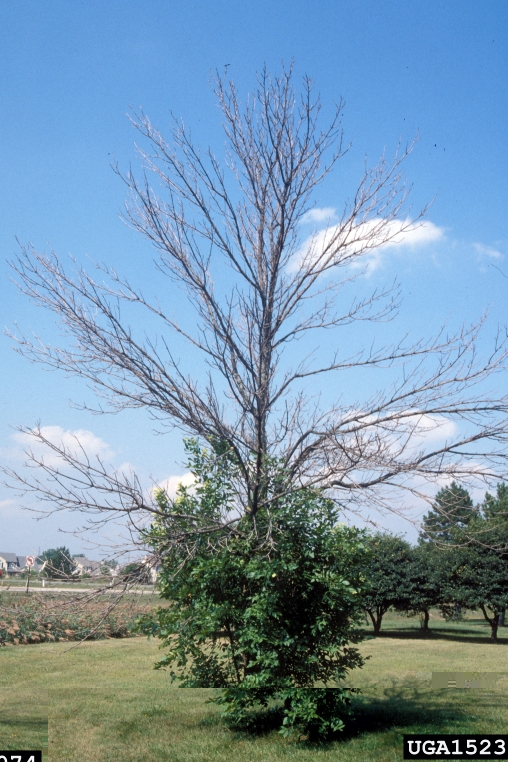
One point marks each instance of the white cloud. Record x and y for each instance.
(318, 215)
(171, 484)
(432, 429)
(419, 235)
(415, 236)
(9, 509)
(75, 441)
(408, 432)
(400, 234)
(125, 469)
(487, 251)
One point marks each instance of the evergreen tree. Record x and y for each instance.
(496, 508)
(453, 508)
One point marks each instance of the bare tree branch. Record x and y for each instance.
(229, 233)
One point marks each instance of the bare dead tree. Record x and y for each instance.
(229, 234)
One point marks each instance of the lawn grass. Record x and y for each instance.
(24, 708)
(106, 704)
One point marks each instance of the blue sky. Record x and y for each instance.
(70, 71)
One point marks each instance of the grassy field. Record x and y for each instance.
(106, 704)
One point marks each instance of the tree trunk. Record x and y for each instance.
(493, 621)
(376, 620)
(425, 620)
(500, 618)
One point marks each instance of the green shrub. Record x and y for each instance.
(266, 612)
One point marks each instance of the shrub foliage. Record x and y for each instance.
(266, 613)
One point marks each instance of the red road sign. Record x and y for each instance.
(30, 560)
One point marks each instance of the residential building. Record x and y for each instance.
(86, 566)
(13, 565)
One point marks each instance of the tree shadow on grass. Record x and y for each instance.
(23, 722)
(374, 715)
(401, 707)
(24, 726)
(258, 722)
(464, 635)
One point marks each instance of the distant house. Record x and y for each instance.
(154, 568)
(9, 565)
(86, 566)
(13, 565)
